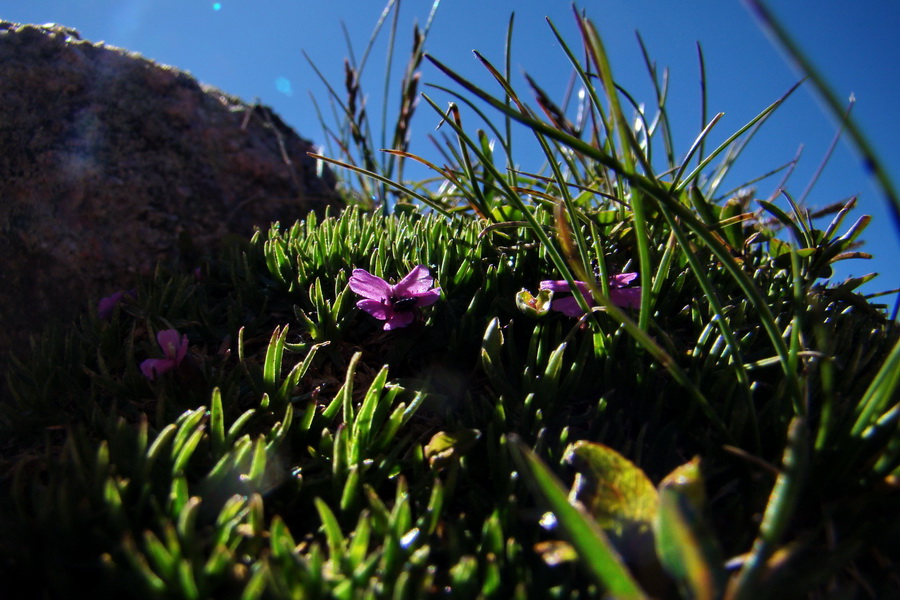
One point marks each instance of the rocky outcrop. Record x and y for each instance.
(110, 162)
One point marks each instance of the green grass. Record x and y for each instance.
(735, 436)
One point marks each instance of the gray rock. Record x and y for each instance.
(110, 162)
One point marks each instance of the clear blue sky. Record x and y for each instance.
(253, 50)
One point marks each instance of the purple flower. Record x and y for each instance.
(174, 350)
(107, 305)
(395, 304)
(625, 297)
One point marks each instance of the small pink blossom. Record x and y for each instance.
(107, 305)
(174, 350)
(625, 297)
(395, 304)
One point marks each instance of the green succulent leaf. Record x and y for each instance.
(444, 448)
(685, 544)
(611, 488)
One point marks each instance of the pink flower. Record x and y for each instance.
(107, 305)
(395, 304)
(625, 297)
(174, 350)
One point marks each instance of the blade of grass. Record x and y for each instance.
(639, 334)
(779, 511)
(661, 94)
(500, 138)
(880, 393)
(871, 163)
(662, 197)
(397, 186)
(758, 119)
(828, 153)
(507, 122)
(594, 44)
(580, 242)
(703, 99)
(696, 146)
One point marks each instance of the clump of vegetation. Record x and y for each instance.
(608, 378)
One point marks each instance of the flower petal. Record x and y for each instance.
(154, 367)
(559, 285)
(618, 294)
(568, 306)
(369, 286)
(622, 279)
(182, 349)
(398, 320)
(173, 344)
(107, 305)
(417, 282)
(626, 297)
(376, 309)
(429, 297)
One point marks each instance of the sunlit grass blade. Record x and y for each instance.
(703, 99)
(274, 354)
(386, 180)
(880, 393)
(507, 122)
(590, 89)
(217, 422)
(662, 118)
(618, 314)
(871, 161)
(509, 194)
(755, 121)
(630, 149)
(661, 196)
(562, 184)
(501, 139)
(695, 147)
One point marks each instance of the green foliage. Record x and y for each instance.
(301, 451)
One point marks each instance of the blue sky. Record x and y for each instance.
(253, 50)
